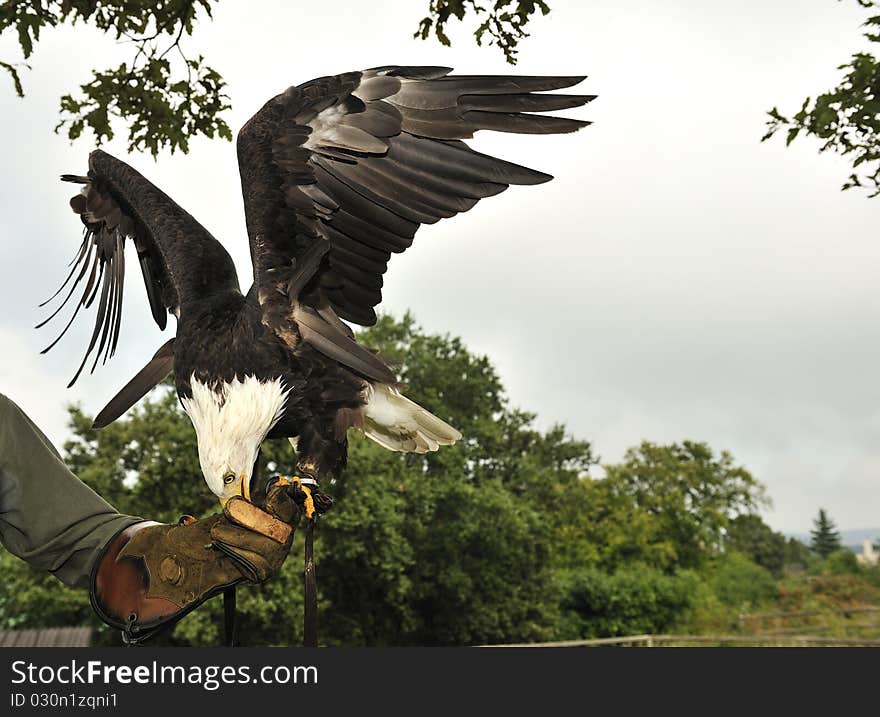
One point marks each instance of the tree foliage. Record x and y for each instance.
(847, 118)
(164, 96)
(797, 555)
(503, 22)
(633, 601)
(686, 494)
(751, 536)
(739, 582)
(824, 537)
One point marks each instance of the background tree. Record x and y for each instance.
(797, 555)
(164, 96)
(689, 494)
(751, 536)
(741, 583)
(847, 118)
(632, 601)
(825, 538)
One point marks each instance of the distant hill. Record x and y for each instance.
(851, 539)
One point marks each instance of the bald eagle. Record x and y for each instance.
(337, 175)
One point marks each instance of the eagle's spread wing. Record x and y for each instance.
(143, 381)
(339, 173)
(117, 203)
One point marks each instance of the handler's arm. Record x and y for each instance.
(48, 517)
(142, 576)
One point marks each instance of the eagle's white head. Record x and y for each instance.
(231, 422)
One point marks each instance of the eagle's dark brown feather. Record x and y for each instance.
(116, 204)
(377, 153)
(142, 383)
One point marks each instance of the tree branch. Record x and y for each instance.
(504, 23)
(160, 110)
(847, 118)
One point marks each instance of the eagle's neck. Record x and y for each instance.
(232, 419)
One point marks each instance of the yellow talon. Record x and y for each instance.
(308, 503)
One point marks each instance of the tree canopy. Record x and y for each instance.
(687, 493)
(846, 118)
(751, 536)
(163, 95)
(166, 95)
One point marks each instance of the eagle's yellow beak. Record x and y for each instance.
(244, 489)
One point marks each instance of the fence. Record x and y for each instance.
(708, 641)
(855, 622)
(806, 628)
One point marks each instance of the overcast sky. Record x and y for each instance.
(677, 280)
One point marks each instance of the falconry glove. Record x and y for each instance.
(152, 574)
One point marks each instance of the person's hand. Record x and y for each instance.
(257, 540)
(152, 573)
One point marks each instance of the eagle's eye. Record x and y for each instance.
(228, 478)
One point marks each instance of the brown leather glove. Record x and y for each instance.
(152, 574)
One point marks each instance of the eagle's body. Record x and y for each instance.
(255, 385)
(337, 174)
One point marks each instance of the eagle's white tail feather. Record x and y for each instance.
(398, 424)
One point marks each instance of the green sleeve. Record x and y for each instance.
(49, 517)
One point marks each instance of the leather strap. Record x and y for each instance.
(310, 617)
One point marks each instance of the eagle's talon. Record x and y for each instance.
(302, 494)
(308, 502)
(322, 501)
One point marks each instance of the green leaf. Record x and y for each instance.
(503, 24)
(846, 119)
(16, 79)
(160, 96)
(24, 39)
